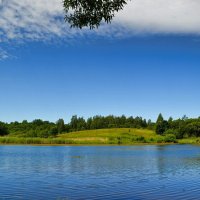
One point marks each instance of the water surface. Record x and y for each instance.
(100, 172)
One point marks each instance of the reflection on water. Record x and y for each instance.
(100, 172)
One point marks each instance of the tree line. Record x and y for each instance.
(181, 128)
(40, 128)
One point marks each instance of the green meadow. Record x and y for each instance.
(116, 136)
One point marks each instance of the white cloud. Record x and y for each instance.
(28, 20)
(3, 54)
(161, 16)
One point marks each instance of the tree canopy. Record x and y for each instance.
(90, 13)
(3, 129)
(179, 128)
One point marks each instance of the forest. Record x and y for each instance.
(181, 128)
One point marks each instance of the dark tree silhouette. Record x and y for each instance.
(90, 13)
(3, 129)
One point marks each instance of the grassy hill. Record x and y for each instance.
(119, 136)
(113, 136)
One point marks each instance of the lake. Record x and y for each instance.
(100, 172)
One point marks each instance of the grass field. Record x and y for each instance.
(101, 136)
(113, 136)
(189, 141)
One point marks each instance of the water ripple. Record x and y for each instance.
(99, 173)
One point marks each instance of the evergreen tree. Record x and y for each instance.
(161, 125)
(170, 122)
(160, 118)
(74, 122)
(60, 125)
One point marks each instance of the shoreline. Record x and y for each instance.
(72, 142)
(93, 144)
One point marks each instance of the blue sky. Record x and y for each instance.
(52, 76)
(135, 76)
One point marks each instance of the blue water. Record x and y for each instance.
(100, 172)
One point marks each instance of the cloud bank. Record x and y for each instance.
(41, 20)
(30, 19)
(161, 16)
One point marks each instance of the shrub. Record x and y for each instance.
(170, 138)
(141, 139)
(53, 132)
(175, 132)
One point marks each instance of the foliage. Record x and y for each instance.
(101, 122)
(160, 118)
(161, 125)
(53, 131)
(44, 129)
(60, 126)
(3, 129)
(77, 123)
(36, 128)
(170, 131)
(170, 138)
(90, 13)
(108, 129)
(182, 128)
